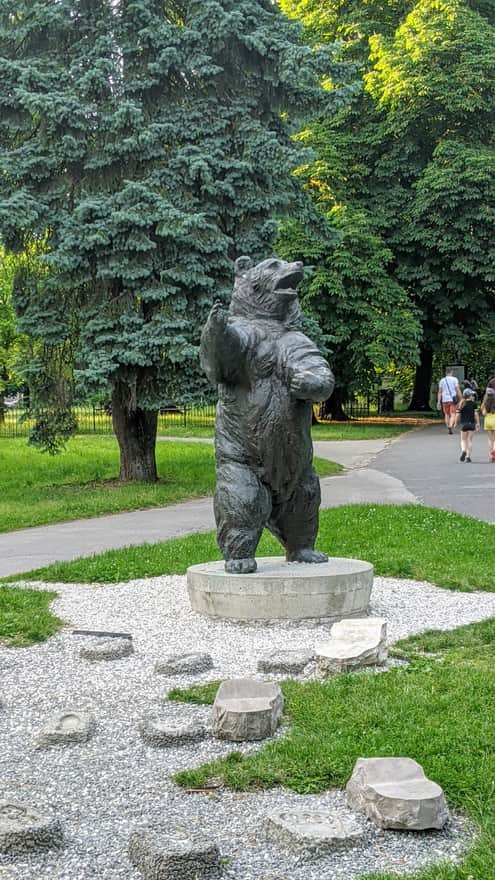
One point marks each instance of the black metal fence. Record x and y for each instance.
(16, 421)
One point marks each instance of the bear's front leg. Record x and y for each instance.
(242, 506)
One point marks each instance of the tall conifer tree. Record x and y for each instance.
(146, 143)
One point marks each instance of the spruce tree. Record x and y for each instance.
(146, 144)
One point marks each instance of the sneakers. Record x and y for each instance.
(492, 456)
(450, 430)
(468, 459)
(463, 456)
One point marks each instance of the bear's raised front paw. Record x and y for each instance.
(240, 566)
(306, 554)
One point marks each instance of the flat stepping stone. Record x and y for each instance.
(395, 793)
(170, 853)
(65, 728)
(106, 649)
(166, 732)
(353, 644)
(313, 831)
(23, 829)
(285, 662)
(247, 710)
(184, 664)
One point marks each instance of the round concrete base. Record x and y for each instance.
(281, 590)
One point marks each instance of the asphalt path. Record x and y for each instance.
(427, 463)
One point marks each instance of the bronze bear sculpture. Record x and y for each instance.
(268, 374)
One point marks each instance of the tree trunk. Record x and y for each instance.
(422, 381)
(332, 407)
(135, 430)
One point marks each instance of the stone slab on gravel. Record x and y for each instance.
(106, 649)
(314, 831)
(65, 728)
(169, 732)
(247, 710)
(184, 664)
(285, 662)
(23, 829)
(353, 644)
(395, 793)
(174, 853)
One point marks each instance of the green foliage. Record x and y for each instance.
(413, 157)
(13, 344)
(147, 144)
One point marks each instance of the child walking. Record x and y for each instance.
(488, 410)
(467, 415)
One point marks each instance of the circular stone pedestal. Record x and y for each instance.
(281, 590)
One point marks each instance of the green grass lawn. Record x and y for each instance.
(438, 710)
(336, 431)
(357, 431)
(408, 541)
(25, 616)
(36, 489)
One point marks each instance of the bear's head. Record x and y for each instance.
(266, 290)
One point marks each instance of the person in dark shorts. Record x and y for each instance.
(469, 420)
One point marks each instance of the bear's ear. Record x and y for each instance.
(242, 265)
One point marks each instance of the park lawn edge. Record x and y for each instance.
(402, 541)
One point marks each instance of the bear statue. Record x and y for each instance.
(269, 374)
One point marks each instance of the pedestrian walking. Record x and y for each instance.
(488, 411)
(468, 418)
(448, 395)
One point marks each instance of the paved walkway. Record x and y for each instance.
(32, 548)
(427, 463)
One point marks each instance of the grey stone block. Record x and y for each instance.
(281, 590)
(247, 710)
(395, 793)
(353, 644)
(65, 728)
(23, 829)
(313, 831)
(285, 662)
(184, 664)
(166, 732)
(170, 853)
(106, 649)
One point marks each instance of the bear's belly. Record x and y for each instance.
(267, 429)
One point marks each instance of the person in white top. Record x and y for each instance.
(447, 398)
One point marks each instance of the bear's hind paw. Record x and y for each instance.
(240, 566)
(306, 554)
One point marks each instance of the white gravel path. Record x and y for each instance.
(103, 789)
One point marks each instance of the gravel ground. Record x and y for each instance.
(104, 789)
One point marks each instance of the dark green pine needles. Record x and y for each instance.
(143, 146)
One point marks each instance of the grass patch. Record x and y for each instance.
(36, 489)
(408, 541)
(438, 711)
(330, 431)
(197, 694)
(357, 431)
(25, 616)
